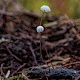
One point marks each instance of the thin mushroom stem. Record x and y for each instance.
(41, 18)
(41, 42)
(41, 36)
(41, 46)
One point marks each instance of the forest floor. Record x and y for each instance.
(20, 47)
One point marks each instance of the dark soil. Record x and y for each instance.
(20, 44)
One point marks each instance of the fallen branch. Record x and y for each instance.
(57, 73)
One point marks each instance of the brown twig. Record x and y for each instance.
(13, 54)
(2, 73)
(20, 67)
(34, 56)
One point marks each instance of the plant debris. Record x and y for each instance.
(20, 44)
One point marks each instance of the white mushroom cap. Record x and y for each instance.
(45, 8)
(40, 29)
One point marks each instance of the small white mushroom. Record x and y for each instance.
(45, 8)
(40, 29)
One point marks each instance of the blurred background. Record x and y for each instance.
(61, 7)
